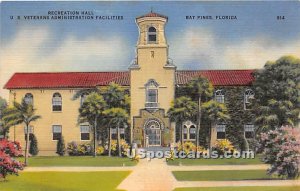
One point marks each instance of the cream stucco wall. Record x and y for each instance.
(67, 118)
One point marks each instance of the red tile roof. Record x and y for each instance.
(92, 79)
(152, 14)
(66, 79)
(218, 77)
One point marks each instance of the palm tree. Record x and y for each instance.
(201, 89)
(215, 112)
(114, 95)
(182, 109)
(117, 117)
(92, 111)
(21, 113)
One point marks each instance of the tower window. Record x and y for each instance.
(152, 96)
(152, 35)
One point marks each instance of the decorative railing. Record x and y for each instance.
(151, 105)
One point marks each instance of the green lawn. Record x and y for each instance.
(251, 188)
(63, 181)
(78, 161)
(221, 175)
(218, 161)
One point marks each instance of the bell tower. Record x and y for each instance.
(152, 73)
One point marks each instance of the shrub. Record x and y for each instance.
(60, 147)
(100, 150)
(72, 148)
(84, 149)
(8, 165)
(222, 146)
(124, 147)
(33, 147)
(75, 149)
(188, 147)
(281, 149)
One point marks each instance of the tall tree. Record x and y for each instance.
(201, 89)
(215, 112)
(117, 117)
(182, 109)
(277, 88)
(91, 111)
(115, 96)
(21, 113)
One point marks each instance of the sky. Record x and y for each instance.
(248, 42)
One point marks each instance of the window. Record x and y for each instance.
(152, 95)
(114, 134)
(249, 94)
(221, 131)
(82, 98)
(151, 35)
(30, 129)
(56, 131)
(28, 98)
(192, 132)
(122, 133)
(185, 131)
(56, 102)
(84, 132)
(219, 96)
(249, 131)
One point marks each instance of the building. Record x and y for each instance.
(152, 79)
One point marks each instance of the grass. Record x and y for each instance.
(250, 188)
(221, 175)
(218, 161)
(64, 181)
(40, 161)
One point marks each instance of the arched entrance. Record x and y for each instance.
(153, 133)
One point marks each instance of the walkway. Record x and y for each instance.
(151, 175)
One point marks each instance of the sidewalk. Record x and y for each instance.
(181, 184)
(218, 167)
(151, 175)
(77, 169)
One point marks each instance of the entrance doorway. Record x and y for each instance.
(153, 133)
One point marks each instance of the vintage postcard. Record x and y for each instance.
(150, 95)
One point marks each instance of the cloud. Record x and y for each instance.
(36, 50)
(200, 48)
